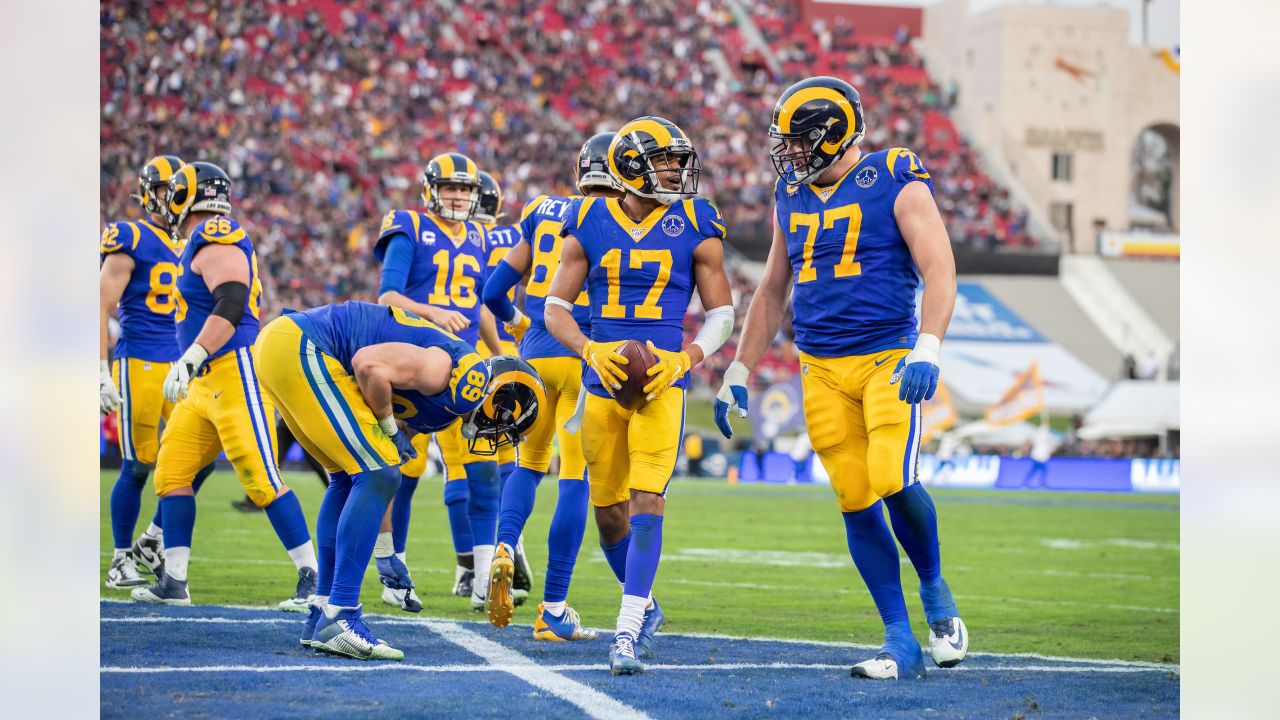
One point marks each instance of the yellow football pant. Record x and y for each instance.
(562, 380)
(630, 450)
(142, 406)
(867, 439)
(320, 402)
(224, 410)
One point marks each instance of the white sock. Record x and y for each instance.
(631, 616)
(175, 562)
(304, 556)
(555, 608)
(384, 547)
(121, 552)
(321, 601)
(483, 559)
(153, 531)
(403, 557)
(331, 611)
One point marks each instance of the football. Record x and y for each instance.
(639, 360)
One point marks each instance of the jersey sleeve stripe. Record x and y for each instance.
(692, 213)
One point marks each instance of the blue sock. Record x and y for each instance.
(126, 502)
(568, 525)
(285, 514)
(517, 504)
(876, 555)
(616, 556)
(401, 510)
(335, 498)
(456, 500)
(180, 511)
(644, 554)
(482, 509)
(371, 492)
(915, 523)
(201, 476)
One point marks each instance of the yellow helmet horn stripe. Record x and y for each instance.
(652, 127)
(801, 97)
(187, 173)
(636, 183)
(163, 165)
(446, 165)
(515, 376)
(472, 170)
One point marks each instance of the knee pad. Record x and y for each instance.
(482, 483)
(260, 496)
(456, 491)
(135, 472)
(384, 481)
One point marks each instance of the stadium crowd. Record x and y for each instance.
(325, 113)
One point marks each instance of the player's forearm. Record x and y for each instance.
(939, 299)
(396, 299)
(563, 327)
(489, 332)
(215, 333)
(764, 318)
(375, 385)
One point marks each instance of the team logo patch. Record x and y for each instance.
(866, 177)
(473, 237)
(672, 225)
(428, 237)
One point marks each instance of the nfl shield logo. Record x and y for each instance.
(824, 193)
(637, 232)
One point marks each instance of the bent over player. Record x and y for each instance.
(139, 269)
(218, 297)
(640, 257)
(537, 256)
(341, 376)
(850, 231)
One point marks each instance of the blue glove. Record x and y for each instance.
(401, 439)
(733, 394)
(917, 373)
(393, 573)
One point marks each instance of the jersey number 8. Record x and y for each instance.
(475, 386)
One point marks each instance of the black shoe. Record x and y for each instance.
(246, 505)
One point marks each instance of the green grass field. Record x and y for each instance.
(1070, 574)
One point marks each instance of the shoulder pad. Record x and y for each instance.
(221, 230)
(905, 165)
(119, 236)
(400, 221)
(532, 205)
(706, 217)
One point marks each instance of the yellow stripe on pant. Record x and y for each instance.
(142, 406)
(631, 450)
(562, 380)
(867, 439)
(224, 410)
(321, 402)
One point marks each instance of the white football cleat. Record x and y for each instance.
(149, 553)
(123, 573)
(948, 642)
(884, 666)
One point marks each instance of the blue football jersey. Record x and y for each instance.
(499, 239)
(341, 330)
(540, 225)
(641, 278)
(147, 305)
(447, 271)
(854, 284)
(195, 299)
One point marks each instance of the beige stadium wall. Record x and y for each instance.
(1039, 79)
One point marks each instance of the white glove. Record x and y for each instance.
(181, 372)
(108, 395)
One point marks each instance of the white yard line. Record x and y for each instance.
(518, 669)
(287, 618)
(593, 702)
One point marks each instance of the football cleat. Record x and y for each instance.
(123, 573)
(948, 641)
(885, 667)
(653, 621)
(149, 553)
(560, 629)
(622, 656)
(498, 603)
(305, 591)
(463, 578)
(406, 599)
(522, 582)
(344, 633)
(166, 591)
(314, 613)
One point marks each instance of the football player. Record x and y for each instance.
(341, 376)
(214, 384)
(640, 257)
(851, 232)
(139, 268)
(499, 240)
(536, 258)
(433, 265)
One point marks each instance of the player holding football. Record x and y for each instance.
(433, 266)
(536, 257)
(641, 257)
(850, 231)
(341, 376)
(139, 268)
(218, 296)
